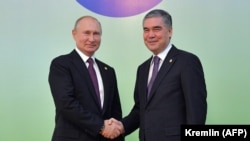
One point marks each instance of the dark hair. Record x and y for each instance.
(160, 13)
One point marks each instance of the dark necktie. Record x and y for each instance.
(94, 78)
(154, 73)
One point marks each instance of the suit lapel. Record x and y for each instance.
(144, 78)
(83, 71)
(103, 70)
(167, 64)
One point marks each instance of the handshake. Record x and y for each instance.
(112, 128)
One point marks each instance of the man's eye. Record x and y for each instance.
(157, 29)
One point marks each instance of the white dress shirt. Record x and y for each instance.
(162, 56)
(98, 74)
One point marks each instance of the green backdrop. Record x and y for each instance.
(34, 32)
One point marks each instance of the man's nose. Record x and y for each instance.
(91, 37)
(151, 34)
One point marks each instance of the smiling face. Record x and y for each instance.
(156, 34)
(87, 35)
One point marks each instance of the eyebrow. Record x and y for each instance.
(154, 27)
(157, 26)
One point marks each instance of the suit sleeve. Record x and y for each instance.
(116, 103)
(194, 88)
(68, 107)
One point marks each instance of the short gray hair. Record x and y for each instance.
(160, 13)
(83, 17)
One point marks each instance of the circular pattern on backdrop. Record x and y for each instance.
(118, 8)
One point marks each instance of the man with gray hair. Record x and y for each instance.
(170, 87)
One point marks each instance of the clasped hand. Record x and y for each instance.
(112, 128)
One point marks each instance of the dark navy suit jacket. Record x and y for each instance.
(178, 96)
(78, 114)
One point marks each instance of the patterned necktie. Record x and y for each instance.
(154, 73)
(94, 78)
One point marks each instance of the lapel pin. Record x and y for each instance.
(105, 68)
(171, 60)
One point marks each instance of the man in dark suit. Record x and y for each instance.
(81, 110)
(178, 93)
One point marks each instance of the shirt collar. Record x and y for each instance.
(83, 56)
(162, 55)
